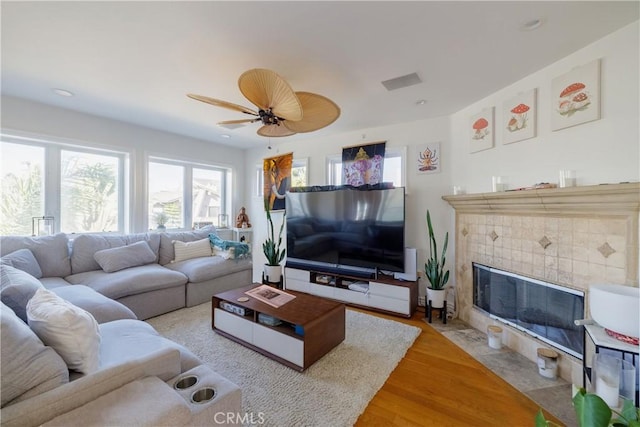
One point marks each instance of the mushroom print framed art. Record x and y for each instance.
(481, 130)
(575, 96)
(519, 117)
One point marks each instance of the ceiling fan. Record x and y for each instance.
(282, 111)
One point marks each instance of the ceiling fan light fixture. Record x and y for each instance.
(280, 109)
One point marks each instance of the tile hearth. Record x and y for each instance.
(517, 370)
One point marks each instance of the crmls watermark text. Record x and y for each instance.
(250, 418)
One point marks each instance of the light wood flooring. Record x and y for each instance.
(439, 384)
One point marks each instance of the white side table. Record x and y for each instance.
(242, 235)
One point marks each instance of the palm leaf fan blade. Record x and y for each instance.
(274, 131)
(269, 91)
(223, 104)
(319, 112)
(237, 122)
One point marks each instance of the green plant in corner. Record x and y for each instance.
(272, 251)
(434, 267)
(592, 411)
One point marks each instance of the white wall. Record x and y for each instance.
(35, 119)
(606, 150)
(601, 151)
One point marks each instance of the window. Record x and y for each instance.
(393, 169)
(166, 195)
(299, 176)
(171, 183)
(89, 192)
(207, 188)
(22, 187)
(81, 188)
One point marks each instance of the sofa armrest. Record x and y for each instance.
(41, 408)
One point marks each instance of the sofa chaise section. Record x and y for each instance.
(136, 366)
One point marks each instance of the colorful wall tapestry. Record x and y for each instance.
(277, 180)
(363, 164)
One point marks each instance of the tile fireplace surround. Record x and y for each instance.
(571, 237)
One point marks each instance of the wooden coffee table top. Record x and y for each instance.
(303, 309)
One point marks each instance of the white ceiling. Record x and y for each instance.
(135, 61)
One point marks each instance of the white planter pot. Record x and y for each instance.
(272, 273)
(437, 297)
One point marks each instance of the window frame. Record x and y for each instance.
(187, 190)
(53, 148)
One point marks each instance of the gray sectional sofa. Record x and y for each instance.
(138, 377)
(147, 288)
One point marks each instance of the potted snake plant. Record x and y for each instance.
(272, 250)
(434, 268)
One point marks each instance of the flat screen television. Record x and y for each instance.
(343, 229)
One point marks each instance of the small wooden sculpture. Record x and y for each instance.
(242, 220)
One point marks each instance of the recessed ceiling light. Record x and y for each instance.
(224, 135)
(421, 102)
(62, 92)
(531, 25)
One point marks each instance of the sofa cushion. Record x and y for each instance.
(71, 331)
(130, 281)
(131, 405)
(54, 282)
(28, 366)
(16, 289)
(51, 252)
(86, 245)
(103, 309)
(167, 252)
(23, 259)
(133, 255)
(126, 340)
(202, 269)
(189, 250)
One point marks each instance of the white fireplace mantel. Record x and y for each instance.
(594, 199)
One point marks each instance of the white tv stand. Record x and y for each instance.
(384, 294)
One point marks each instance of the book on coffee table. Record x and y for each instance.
(269, 295)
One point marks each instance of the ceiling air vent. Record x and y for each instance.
(402, 81)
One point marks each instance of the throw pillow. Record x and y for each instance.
(71, 331)
(116, 259)
(167, 252)
(23, 259)
(16, 289)
(188, 250)
(28, 366)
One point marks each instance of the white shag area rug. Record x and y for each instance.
(332, 392)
